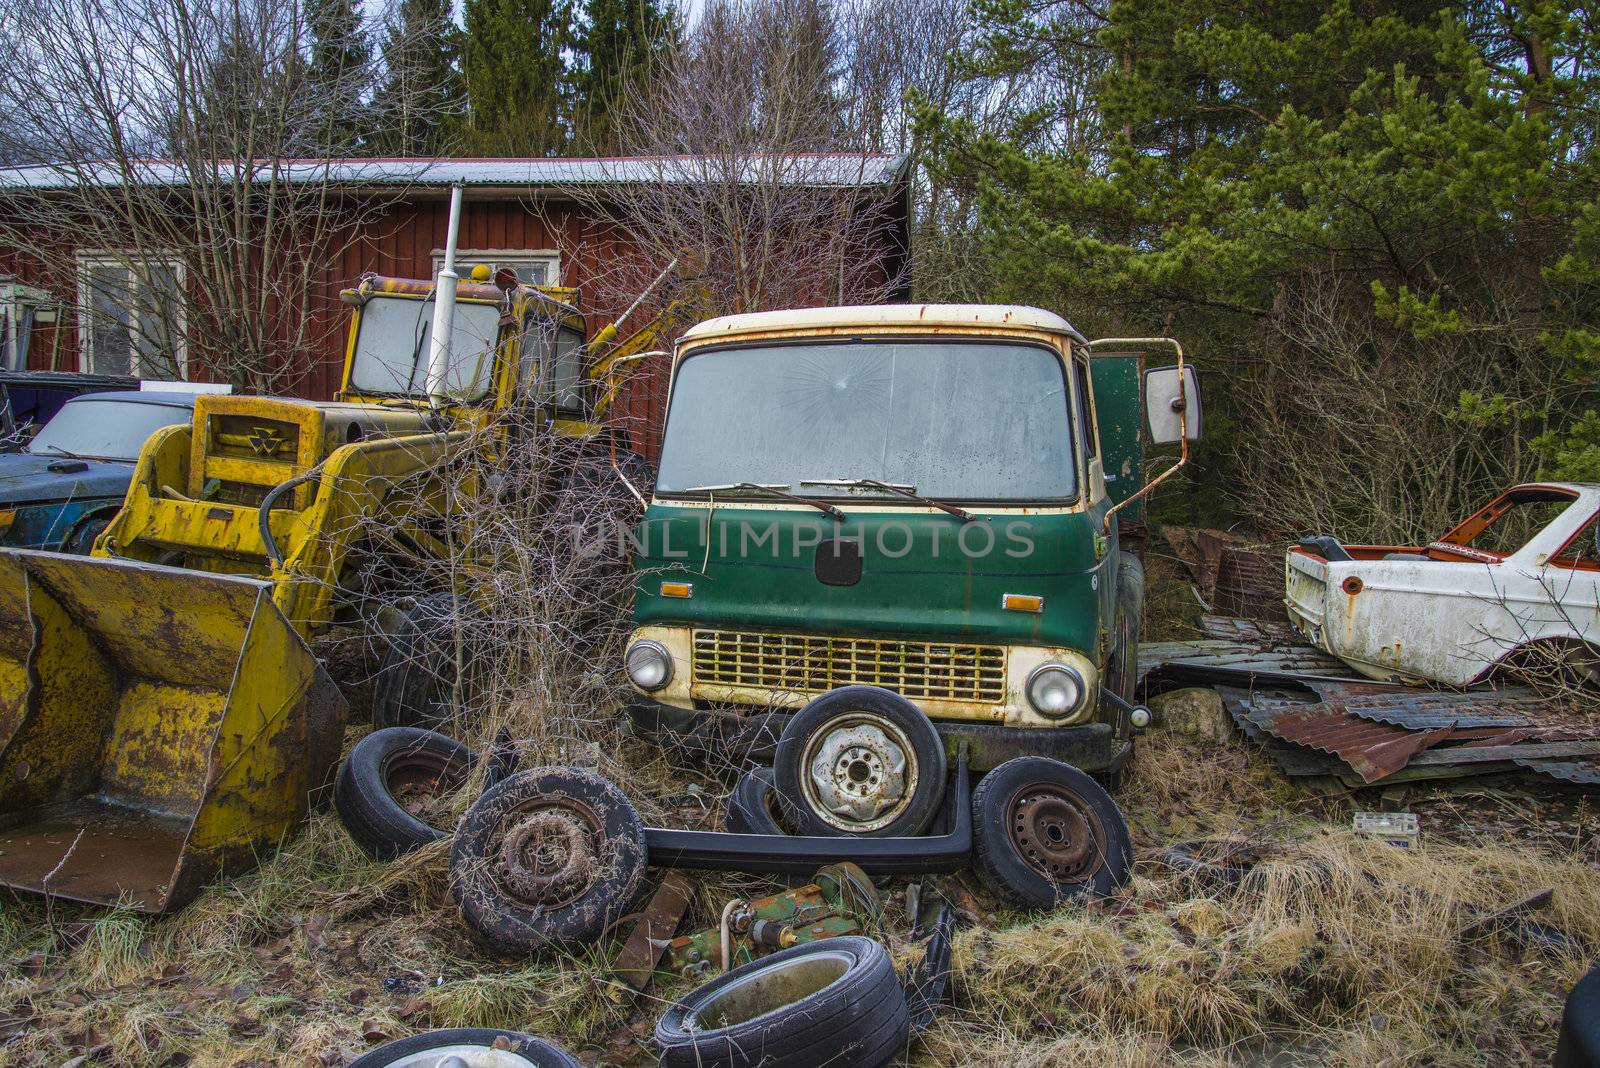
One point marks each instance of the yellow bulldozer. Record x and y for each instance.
(162, 718)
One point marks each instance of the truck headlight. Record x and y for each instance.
(649, 665)
(1055, 690)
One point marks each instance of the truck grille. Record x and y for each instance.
(814, 663)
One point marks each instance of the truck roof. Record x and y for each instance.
(894, 315)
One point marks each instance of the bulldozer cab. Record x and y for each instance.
(514, 349)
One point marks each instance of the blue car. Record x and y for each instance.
(62, 489)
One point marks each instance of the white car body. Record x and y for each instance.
(1449, 612)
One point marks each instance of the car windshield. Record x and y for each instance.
(105, 429)
(392, 348)
(950, 419)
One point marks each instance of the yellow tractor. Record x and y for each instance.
(162, 718)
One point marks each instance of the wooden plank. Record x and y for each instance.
(1489, 753)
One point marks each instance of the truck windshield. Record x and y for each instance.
(105, 429)
(392, 343)
(951, 419)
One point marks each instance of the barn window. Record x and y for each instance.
(533, 268)
(131, 318)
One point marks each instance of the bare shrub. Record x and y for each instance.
(182, 147)
(1352, 427)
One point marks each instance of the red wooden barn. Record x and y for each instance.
(535, 215)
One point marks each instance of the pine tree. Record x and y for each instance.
(517, 78)
(340, 72)
(619, 42)
(1368, 217)
(420, 101)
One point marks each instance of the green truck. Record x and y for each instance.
(884, 537)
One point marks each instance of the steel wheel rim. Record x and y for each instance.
(462, 1055)
(1055, 832)
(549, 852)
(859, 773)
(423, 771)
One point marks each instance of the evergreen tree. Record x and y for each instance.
(1362, 214)
(619, 42)
(518, 83)
(340, 72)
(420, 100)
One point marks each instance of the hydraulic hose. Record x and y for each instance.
(264, 516)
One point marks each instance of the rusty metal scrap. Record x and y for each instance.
(1226, 663)
(1374, 750)
(1360, 733)
(1230, 572)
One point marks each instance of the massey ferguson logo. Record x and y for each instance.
(265, 440)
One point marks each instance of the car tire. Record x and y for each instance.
(385, 768)
(850, 1010)
(510, 1047)
(1045, 832)
(1216, 866)
(590, 862)
(862, 731)
(416, 680)
(751, 807)
(81, 541)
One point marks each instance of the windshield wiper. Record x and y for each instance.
(780, 489)
(63, 452)
(892, 487)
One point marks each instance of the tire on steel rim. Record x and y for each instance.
(385, 768)
(836, 1001)
(860, 760)
(481, 1047)
(1046, 832)
(751, 807)
(546, 859)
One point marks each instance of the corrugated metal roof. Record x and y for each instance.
(832, 170)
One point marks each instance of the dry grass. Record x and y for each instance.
(1339, 952)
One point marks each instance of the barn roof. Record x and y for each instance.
(831, 170)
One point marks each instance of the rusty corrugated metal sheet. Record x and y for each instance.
(1294, 725)
(1374, 750)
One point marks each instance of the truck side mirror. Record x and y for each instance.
(1166, 396)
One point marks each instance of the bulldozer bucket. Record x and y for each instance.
(158, 727)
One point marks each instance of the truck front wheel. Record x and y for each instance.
(1047, 833)
(860, 760)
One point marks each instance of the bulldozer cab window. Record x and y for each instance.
(564, 373)
(538, 341)
(392, 343)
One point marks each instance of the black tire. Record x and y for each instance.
(591, 860)
(536, 1052)
(81, 541)
(1047, 833)
(806, 737)
(382, 770)
(751, 805)
(1217, 866)
(1578, 1042)
(851, 1012)
(416, 680)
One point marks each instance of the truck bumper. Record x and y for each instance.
(1090, 746)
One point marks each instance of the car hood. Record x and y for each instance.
(27, 478)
